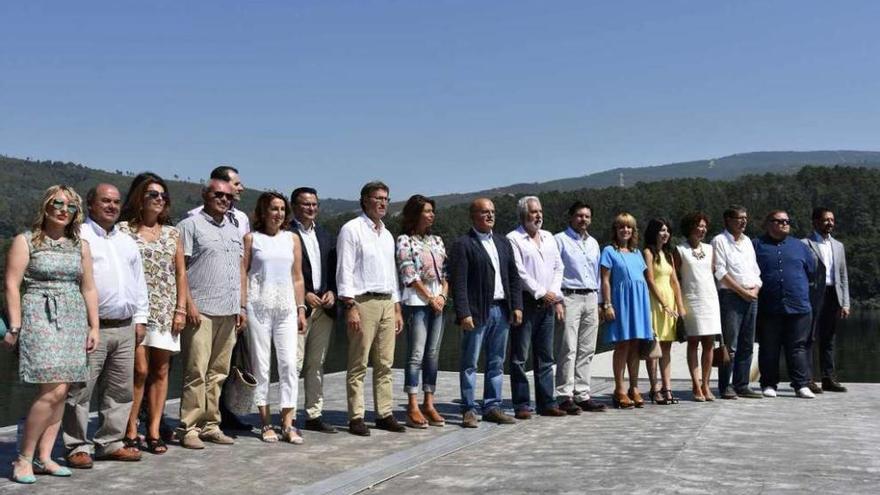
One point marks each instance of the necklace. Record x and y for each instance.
(698, 252)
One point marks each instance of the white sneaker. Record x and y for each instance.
(805, 393)
(771, 392)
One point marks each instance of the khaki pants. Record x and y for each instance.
(374, 342)
(313, 345)
(207, 350)
(111, 370)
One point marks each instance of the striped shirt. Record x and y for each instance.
(213, 259)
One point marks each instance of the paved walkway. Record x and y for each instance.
(829, 444)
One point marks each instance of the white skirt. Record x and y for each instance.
(162, 340)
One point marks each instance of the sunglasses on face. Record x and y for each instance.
(61, 205)
(157, 195)
(781, 221)
(223, 195)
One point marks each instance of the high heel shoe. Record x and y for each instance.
(670, 399)
(40, 468)
(707, 393)
(698, 395)
(620, 401)
(636, 397)
(657, 398)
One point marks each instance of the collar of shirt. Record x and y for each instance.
(820, 238)
(302, 228)
(742, 237)
(576, 236)
(211, 219)
(372, 225)
(483, 236)
(99, 231)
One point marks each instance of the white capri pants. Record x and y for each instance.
(264, 328)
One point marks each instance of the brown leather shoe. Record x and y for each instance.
(591, 405)
(469, 420)
(389, 423)
(123, 454)
(814, 387)
(434, 418)
(570, 407)
(496, 415)
(553, 412)
(523, 414)
(358, 427)
(80, 460)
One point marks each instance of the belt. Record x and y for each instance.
(374, 295)
(569, 292)
(108, 323)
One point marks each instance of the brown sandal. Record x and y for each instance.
(414, 419)
(434, 418)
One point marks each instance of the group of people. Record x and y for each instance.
(101, 296)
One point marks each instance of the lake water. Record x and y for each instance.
(857, 358)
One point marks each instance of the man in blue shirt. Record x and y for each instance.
(784, 311)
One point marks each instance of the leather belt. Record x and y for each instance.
(374, 295)
(108, 323)
(569, 292)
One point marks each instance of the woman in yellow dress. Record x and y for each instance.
(666, 304)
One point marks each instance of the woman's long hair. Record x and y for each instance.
(651, 233)
(412, 212)
(263, 203)
(71, 230)
(133, 209)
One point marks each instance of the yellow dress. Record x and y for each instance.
(663, 322)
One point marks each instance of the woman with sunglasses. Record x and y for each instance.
(626, 307)
(145, 217)
(54, 321)
(274, 295)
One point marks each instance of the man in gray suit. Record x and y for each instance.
(830, 295)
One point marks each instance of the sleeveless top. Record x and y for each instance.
(698, 291)
(159, 273)
(270, 283)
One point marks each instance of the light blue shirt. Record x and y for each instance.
(580, 259)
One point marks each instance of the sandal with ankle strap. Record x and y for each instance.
(670, 399)
(155, 445)
(658, 398)
(292, 435)
(267, 434)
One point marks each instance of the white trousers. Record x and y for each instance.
(264, 328)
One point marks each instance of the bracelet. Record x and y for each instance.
(444, 297)
(302, 307)
(244, 309)
(180, 311)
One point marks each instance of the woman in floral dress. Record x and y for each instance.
(53, 320)
(421, 262)
(145, 218)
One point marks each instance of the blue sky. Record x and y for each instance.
(431, 96)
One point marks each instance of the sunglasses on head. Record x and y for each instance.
(223, 195)
(61, 205)
(157, 195)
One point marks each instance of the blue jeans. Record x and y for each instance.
(738, 329)
(493, 335)
(536, 332)
(424, 332)
(791, 332)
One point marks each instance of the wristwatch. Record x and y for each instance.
(348, 304)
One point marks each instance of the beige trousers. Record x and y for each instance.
(313, 345)
(374, 342)
(207, 350)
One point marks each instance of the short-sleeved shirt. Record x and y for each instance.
(213, 261)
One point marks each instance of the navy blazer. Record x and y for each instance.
(472, 277)
(327, 246)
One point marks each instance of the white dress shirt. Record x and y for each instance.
(737, 259)
(118, 272)
(313, 249)
(365, 259)
(539, 266)
(827, 257)
(241, 218)
(492, 251)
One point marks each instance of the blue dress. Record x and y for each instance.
(629, 296)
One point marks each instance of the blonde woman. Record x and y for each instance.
(54, 320)
(626, 307)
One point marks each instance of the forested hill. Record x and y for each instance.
(853, 193)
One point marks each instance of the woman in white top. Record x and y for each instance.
(421, 262)
(694, 260)
(273, 298)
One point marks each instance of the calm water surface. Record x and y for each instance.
(857, 357)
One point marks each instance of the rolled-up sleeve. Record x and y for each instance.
(720, 268)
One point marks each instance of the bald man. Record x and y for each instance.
(123, 308)
(487, 296)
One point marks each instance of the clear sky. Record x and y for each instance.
(431, 96)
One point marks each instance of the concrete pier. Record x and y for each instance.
(783, 445)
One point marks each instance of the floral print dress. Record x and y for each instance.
(54, 325)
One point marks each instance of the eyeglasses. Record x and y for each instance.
(61, 205)
(380, 199)
(309, 205)
(222, 195)
(156, 195)
(781, 221)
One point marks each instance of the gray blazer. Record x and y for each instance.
(841, 279)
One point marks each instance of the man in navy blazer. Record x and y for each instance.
(319, 275)
(487, 295)
(830, 295)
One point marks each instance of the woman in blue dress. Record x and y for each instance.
(626, 307)
(53, 320)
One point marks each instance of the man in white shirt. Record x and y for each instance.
(540, 269)
(228, 173)
(366, 279)
(123, 309)
(739, 280)
(580, 289)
